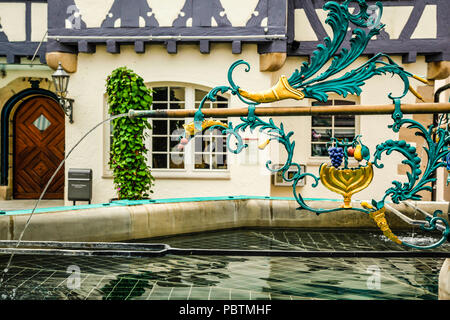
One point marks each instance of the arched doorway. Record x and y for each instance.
(38, 148)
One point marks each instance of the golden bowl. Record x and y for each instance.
(346, 182)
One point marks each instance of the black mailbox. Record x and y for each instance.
(80, 185)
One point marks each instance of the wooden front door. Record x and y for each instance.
(38, 149)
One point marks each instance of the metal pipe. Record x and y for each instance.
(418, 209)
(24, 67)
(437, 95)
(420, 108)
(438, 92)
(423, 212)
(410, 221)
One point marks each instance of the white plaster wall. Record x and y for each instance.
(38, 21)
(15, 72)
(394, 18)
(12, 18)
(427, 25)
(87, 87)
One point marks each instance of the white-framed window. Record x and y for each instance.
(210, 147)
(205, 156)
(165, 133)
(206, 153)
(324, 127)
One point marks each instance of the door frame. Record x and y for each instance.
(7, 130)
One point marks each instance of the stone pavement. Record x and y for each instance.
(8, 205)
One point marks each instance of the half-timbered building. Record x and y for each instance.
(182, 49)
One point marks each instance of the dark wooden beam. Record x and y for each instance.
(200, 32)
(236, 47)
(139, 46)
(112, 46)
(436, 49)
(86, 47)
(171, 46)
(204, 46)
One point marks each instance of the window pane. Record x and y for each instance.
(206, 145)
(343, 103)
(218, 144)
(159, 127)
(177, 106)
(176, 160)
(349, 134)
(213, 132)
(219, 161)
(159, 144)
(176, 94)
(206, 105)
(199, 94)
(158, 106)
(202, 144)
(159, 161)
(319, 150)
(174, 142)
(176, 127)
(322, 121)
(318, 103)
(202, 161)
(344, 121)
(323, 135)
(160, 94)
(220, 105)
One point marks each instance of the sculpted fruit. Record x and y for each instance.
(351, 152)
(358, 154)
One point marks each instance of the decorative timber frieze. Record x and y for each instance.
(17, 38)
(72, 26)
(413, 27)
(295, 27)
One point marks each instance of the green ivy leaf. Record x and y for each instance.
(126, 90)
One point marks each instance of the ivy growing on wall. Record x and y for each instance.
(128, 159)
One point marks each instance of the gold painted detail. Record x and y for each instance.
(414, 92)
(421, 79)
(280, 91)
(190, 128)
(346, 182)
(380, 219)
(263, 145)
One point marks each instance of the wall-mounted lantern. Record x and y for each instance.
(61, 82)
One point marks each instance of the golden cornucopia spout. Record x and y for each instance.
(280, 91)
(380, 219)
(346, 182)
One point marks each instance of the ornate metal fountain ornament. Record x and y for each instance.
(307, 82)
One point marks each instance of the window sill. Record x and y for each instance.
(317, 161)
(186, 175)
